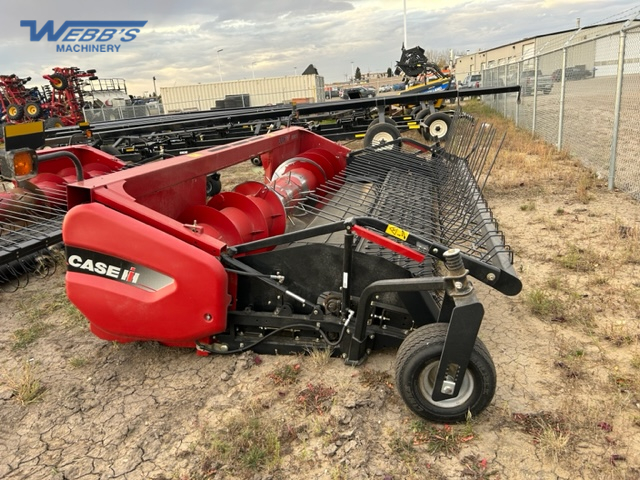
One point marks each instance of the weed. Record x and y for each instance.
(579, 259)
(586, 182)
(528, 207)
(340, 472)
(24, 337)
(553, 442)
(635, 361)
(316, 398)
(77, 362)
(542, 304)
(550, 432)
(476, 468)
(560, 211)
(319, 357)
(285, 375)
(445, 439)
(376, 378)
(24, 385)
(402, 447)
(246, 443)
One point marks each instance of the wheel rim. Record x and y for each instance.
(438, 128)
(32, 110)
(427, 380)
(13, 111)
(57, 82)
(382, 138)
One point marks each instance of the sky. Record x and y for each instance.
(200, 41)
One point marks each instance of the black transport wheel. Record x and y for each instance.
(15, 112)
(59, 81)
(91, 71)
(214, 185)
(53, 122)
(416, 369)
(380, 134)
(33, 110)
(436, 126)
(388, 120)
(257, 161)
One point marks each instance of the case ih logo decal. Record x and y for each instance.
(86, 36)
(93, 263)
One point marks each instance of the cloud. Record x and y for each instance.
(180, 41)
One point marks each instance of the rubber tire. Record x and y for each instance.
(257, 161)
(53, 122)
(388, 120)
(62, 83)
(93, 77)
(436, 117)
(37, 110)
(214, 185)
(18, 112)
(91, 71)
(381, 132)
(422, 348)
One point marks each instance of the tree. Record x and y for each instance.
(358, 74)
(389, 72)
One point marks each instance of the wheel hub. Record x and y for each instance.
(427, 381)
(438, 128)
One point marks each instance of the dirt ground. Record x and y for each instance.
(566, 351)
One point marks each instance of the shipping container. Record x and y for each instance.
(256, 92)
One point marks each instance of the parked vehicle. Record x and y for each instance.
(331, 92)
(579, 72)
(471, 81)
(358, 92)
(528, 79)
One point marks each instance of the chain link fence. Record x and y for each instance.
(582, 96)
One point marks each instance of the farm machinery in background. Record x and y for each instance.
(58, 104)
(348, 251)
(422, 76)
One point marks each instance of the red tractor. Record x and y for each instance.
(65, 102)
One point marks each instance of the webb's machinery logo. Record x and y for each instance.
(81, 36)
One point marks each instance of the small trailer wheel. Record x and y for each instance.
(257, 161)
(388, 120)
(436, 126)
(416, 369)
(380, 134)
(53, 122)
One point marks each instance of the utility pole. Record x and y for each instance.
(219, 70)
(405, 24)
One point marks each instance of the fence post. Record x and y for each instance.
(563, 81)
(519, 95)
(616, 114)
(535, 95)
(504, 95)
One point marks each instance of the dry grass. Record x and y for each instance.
(24, 383)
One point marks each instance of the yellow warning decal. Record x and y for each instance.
(397, 232)
(414, 127)
(359, 135)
